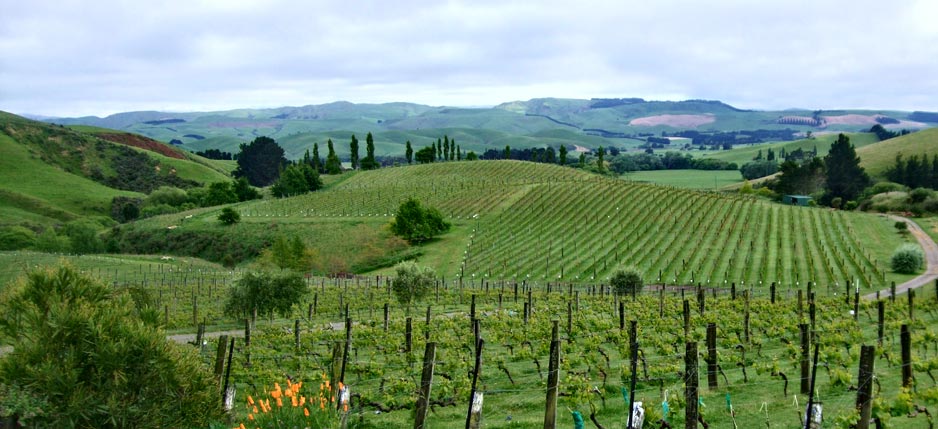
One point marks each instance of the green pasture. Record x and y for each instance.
(688, 179)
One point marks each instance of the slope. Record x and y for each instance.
(879, 157)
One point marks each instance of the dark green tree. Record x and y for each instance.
(507, 153)
(757, 169)
(297, 179)
(458, 153)
(353, 149)
(804, 179)
(845, 178)
(417, 224)
(229, 216)
(445, 147)
(770, 156)
(97, 359)
(439, 150)
(317, 161)
(260, 161)
(369, 162)
(266, 293)
(220, 193)
(452, 150)
(600, 154)
(471, 156)
(582, 160)
(550, 156)
(626, 281)
(409, 153)
(333, 165)
(243, 190)
(426, 155)
(563, 154)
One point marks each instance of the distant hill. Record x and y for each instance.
(52, 174)
(877, 158)
(619, 122)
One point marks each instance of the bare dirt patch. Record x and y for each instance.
(143, 143)
(677, 121)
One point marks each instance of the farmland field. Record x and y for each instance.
(689, 179)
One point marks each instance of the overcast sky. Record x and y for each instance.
(71, 58)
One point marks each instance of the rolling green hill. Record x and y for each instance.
(877, 158)
(822, 143)
(51, 174)
(622, 123)
(537, 222)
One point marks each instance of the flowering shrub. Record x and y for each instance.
(294, 407)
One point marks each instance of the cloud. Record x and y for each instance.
(76, 58)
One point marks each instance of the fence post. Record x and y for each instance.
(220, 356)
(426, 380)
(474, 417)
(553, 372)
(408, 335)
(881, 313)
(712, 356)
(805, 363)
(633, 348)
(690, 385)
(906, 342)
(865, 383)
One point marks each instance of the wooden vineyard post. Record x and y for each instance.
(296, 334)
(195, 310)
(772, 292)
(809, 415)
(690, 385)
(732, 290)
(746, 329)
(569, 322)
(892, 292)
(220, 356)
(247, 342)
(309, 312)
(805, 364)
(661, 302)
(426, 380)
(474, 417)
(800, 304)
(865, 383)
(347, 346)
(621, 316)
(701, 300)
(165, 315)
(906, 343)
(527, 309)
(408, 335)
(856, 304)
(633, 363)
(472, 308)
(712, 356)
(881, 322)
(224, 391)
(337, 358)
(911, 304)
(686, 319)
(426, 332)
(387, 311)
(553, 373)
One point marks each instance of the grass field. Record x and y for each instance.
(689, 179)
(877, 158)
(743, 154)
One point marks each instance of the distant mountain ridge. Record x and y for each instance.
(620, 122)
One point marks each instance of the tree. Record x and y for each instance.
(507, 154)
(219, 193)
(412, 282)
(845, 178)
(266, 293)
(369, 162)
(260, 161)
(439, 150)
(471, 156)
(229, 216)
(333, 165)
(297, 179)
(582, 160)
(907, 259)
(452, 150)
(244, 191)
(563, 154)
(289, 253)
(96, 357)
(409, 153)
(459, 153)
(626, 281)
(426, 155)
(804, 179)
(353, 148)
(445, 147)
(416, 224)
(600, 154)
(757, 169)
(317, 161)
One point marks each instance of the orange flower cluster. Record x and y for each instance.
(261, 409)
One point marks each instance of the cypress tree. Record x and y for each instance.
(333, 165)
(409, 153)
(563, 155)
(353, 147)
(317, 161)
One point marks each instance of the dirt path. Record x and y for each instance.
(931, 261)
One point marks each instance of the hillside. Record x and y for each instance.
(822, 143)
(879, 157)
(51, 174)
(622, 123)
(519, 220)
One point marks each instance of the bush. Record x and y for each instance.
(229, 216)
(85, 351)
(266, 293)
(412, 282)
(626, 281)
(416, 224)
(16, 238)
(907, 259)
(851, 205)
(919, 195)
(168, 195)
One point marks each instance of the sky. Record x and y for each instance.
(77, 58)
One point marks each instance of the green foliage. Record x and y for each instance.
(51, 242)
(412, 282)
(83, 236)
(426, 155)
(901, 226)
(168, 195)
(409, 152)
(22, 403)
(243, 190)
(562, 160)
(800, 179)
(471, 156)
(125, 209)
(353, 150)
(369, 162)
(626, 281)
(266, 293)
(16, 237)
(111, 369)
(260, 161)
(757, 169)
(907, 259)
(844, 176)
(289, 253)
(229, 216)
(219, 193)
(333, 165)
(297, 179)
(416, 224)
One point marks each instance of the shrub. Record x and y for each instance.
(167, 195)
(16, 237)
(85, 351)
(266, 293)
(919, 195)
(229, 216)
(901, 226)
(626, 281)
(851, 205)
(412, 282)
(907, 259)
(415, 223)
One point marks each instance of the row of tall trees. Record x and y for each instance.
(915, 171)
(837, 175)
